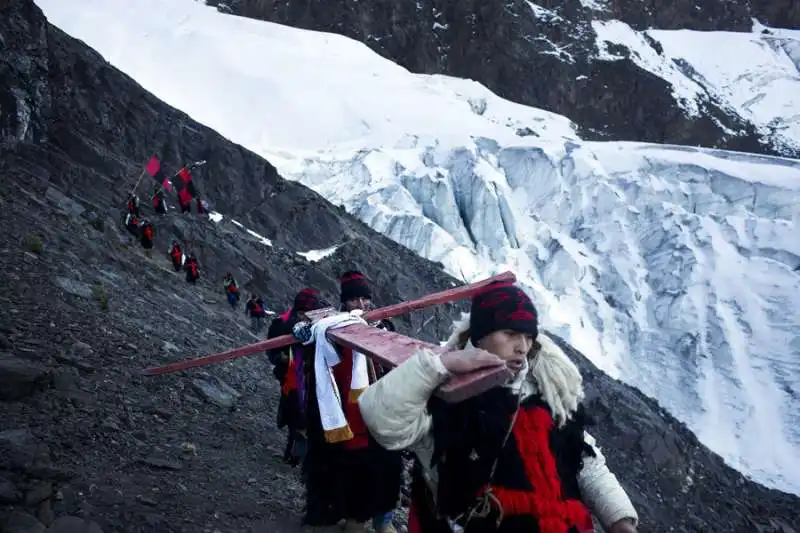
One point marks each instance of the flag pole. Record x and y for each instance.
(138, 180)
(141, 175)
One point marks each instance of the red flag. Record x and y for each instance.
(154, 169)
(154, 166)
(187, 192)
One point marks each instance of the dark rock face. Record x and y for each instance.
(19, 378)
(96, 446)
(547, 62)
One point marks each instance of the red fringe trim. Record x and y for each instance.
(343, 373)
(290, 380)
(545, 502)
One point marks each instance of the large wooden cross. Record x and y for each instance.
(387, 348)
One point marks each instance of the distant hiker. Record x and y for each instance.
(290, 370)
(133, 205)
(132, 224)
(159, 206)
(514, 459)
(231, 289)
(255, 308)
(202, 206)
(186, 189)
(176, 255)
(192, 269)
(148, 235)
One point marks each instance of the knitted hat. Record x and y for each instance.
(307, 300)
(354, 285)
(502, 305)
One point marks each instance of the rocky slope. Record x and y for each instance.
(83, 434)
(544, 54)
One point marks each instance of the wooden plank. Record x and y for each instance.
(391, 349)
(449, 295)
(325, 312)
(242, 351)
(436, 298)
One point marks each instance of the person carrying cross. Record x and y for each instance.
(515, 459)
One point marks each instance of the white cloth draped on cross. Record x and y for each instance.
(334, 421)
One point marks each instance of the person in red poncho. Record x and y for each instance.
(176, 256)
(147, 236)
(255, 309)
(192, 269)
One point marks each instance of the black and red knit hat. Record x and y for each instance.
(502, 305)
(307, 300)
(354, 285)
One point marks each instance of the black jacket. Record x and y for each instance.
(279, 357)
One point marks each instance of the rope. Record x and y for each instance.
(487, 500)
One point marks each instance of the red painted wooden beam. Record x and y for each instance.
(450, 295)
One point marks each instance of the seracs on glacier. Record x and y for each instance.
(673, 268)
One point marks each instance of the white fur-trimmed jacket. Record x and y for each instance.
(395, 411)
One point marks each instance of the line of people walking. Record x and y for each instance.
(515, 459)
(144, 231)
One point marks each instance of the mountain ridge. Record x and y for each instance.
(546, 54)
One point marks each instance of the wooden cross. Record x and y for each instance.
(390, 349)
(387, 348)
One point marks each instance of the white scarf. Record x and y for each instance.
(334, 421)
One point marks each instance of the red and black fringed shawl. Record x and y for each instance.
(536, 477)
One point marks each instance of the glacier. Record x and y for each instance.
(675, 269)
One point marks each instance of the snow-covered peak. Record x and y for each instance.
(754, 75)
(672, 268)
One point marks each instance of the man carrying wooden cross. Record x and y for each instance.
(513, 459)
(348, 476)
